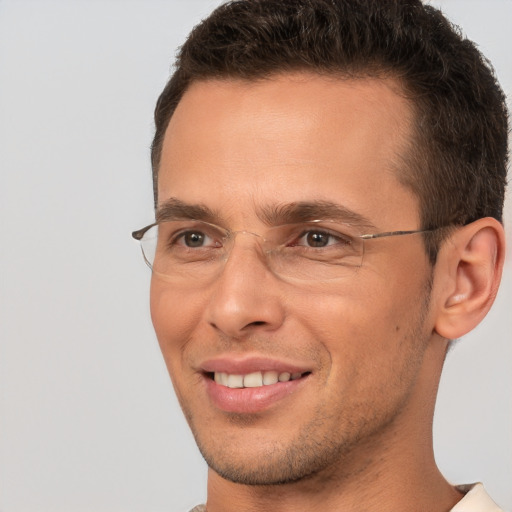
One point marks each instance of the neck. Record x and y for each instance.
(395, 471)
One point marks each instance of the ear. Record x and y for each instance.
(467, 276)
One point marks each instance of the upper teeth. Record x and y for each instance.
(253, 380)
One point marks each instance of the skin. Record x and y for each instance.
(356, 433)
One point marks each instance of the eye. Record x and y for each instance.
(321, 238)
(195, 239)
(185, 236)
(317, 239)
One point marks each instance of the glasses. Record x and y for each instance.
(318, 250)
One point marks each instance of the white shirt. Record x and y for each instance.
(475, 500)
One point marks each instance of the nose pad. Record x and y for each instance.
(246, 295)
(254, 244)
(257, 237)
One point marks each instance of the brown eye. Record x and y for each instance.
(194, 239)
(320, 239)
(317, 239)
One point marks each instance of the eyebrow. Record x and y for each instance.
(272, 215)
(305, 211)
(175, 209)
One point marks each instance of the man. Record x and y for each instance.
(329, 179)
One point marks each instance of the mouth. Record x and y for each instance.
(253, 385)
(254, 379)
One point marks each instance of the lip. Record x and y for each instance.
(251, 400)
(244, 365)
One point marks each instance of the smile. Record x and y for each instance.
(248, 384)
(254, 379)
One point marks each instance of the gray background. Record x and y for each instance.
(88, 419)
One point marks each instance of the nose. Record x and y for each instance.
(247, 297)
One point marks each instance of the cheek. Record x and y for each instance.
(362, 327)
(374, 353)
(350, 312)
(175, 315)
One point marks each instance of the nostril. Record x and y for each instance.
(257, 323)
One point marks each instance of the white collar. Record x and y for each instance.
(476, 499)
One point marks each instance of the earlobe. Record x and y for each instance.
(468, 271)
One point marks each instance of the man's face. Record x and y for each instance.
(239, 148)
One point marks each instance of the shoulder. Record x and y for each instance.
(199, 508)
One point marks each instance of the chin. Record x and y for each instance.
(254, 472)
(270, 463)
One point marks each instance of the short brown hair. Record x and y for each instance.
(457, 160)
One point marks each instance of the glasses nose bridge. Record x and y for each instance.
(263, 250)
(232, 235)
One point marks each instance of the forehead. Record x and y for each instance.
(290, 138)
